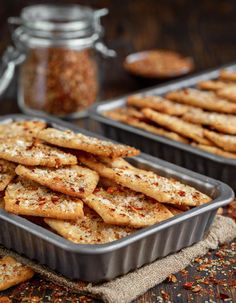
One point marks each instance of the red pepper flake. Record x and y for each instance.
(81, 190)
(233, 283)
(55, 199)
(110, 190)
(188, 285)
(182, 193)
(223, 296)
(165, 295)
(220, 254)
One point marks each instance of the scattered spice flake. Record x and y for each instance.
(188, 285)
(223, 296)
(172, 278)
(196, 288)
(165, 295)
(84, 299)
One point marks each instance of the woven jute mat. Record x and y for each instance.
(126, 288)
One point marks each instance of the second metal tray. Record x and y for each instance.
(176, 152)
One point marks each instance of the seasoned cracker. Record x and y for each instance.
(215, 150)
(121, 206)
(202, 99)
(89, 230)
(228, 92)
(25, 128)
(73, 180)
(226, 142)
(123, 113)
(92, 145)
(184, 128)
(26, 197)
(31, 152)
(13, 273)
(157, 187)
(213, 85)
(153, 129)
(221, 122)
(7, 173)
(175, 211)
(227, 75)
(158, 103)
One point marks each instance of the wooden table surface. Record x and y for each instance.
(204, 30)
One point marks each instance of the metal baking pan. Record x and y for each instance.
(176, 152)
(95, 263)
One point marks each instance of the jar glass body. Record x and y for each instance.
(58, 80)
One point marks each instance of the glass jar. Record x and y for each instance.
(56, 48)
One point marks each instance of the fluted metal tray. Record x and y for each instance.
(95, 263)
(176, 152)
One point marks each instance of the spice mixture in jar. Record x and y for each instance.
(59, 81)
(56, 49)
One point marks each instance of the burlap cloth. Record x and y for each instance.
(128, 287)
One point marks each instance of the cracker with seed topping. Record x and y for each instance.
(7, 173)
(158, 103)
(226, 142)
(216, 150)
(175, 211)
(122, 206)
(157, 187)
(13, 273)
(26, 197)
(228, 75)
(221, 122)
(213, 85)
(228, 92)
(203, 99)
(90, 229)
(145, 126)
(25, 128)
(73, 180)
(184, 128)
(92, 145)
(32, 152)
(123, 112)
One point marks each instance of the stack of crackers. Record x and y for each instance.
(204, 117)
(82, 187)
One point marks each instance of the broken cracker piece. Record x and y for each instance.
(7, 173)
(13, 273)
